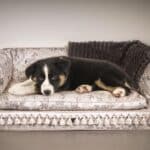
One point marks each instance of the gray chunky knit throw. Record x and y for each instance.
(132, 56)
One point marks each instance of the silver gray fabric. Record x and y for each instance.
(145, 82)
(23, 57)
(6, 69)
(100, 100)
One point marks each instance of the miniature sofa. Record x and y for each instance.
(97, 110)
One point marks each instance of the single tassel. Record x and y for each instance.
(136, 121)
(99, 121)
(17, 121)
(39, 120)
(77, 121)
(24, 121)
(84, 120)
(2, 121)
(9, 121)
(128, 121)
(69, 122)
(54, 122)
(32, 121)
(121, 120)
(113, 121)
(62, 121)
(107, 121)
(91, 121)
(143, 121)
(47, 121)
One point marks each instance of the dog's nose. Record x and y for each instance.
(47, 92)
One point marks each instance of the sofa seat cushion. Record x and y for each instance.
(97, 100)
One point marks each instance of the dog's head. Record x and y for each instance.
(49, 74)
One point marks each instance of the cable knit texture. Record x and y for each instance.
(132, 56)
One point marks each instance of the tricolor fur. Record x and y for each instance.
(55, 74)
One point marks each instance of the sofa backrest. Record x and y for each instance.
(23, 57)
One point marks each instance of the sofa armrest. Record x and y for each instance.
(6, 68)
(145, 82)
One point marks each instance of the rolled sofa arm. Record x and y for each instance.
(6, 68)
(145, 82)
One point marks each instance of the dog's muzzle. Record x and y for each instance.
(47, 92)
(47, 89)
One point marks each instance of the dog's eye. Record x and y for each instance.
(54, 78)
(40, 78)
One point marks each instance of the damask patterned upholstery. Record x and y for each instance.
(6, 69)
(65, 100)
(59, 108)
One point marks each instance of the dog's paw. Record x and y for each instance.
(20, 89)
(15, 90)
(119, 92)
(84, 88)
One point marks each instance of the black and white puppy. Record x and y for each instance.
(55, 74)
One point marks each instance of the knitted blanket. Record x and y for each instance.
(132, 56)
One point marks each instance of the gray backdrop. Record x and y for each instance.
(63, 20)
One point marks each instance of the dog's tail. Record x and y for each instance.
(130, 86)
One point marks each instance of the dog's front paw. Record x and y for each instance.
(84, 88)
(23, 88)
(15, 90)
(119, 92)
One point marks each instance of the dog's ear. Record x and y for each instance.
(30, 71)
(63, 64)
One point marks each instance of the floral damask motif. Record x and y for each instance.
(145, 82)
(23, 57)
(6, 68)
(98, 100)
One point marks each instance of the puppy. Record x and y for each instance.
(83, 75)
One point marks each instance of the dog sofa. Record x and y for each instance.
(97, 110)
